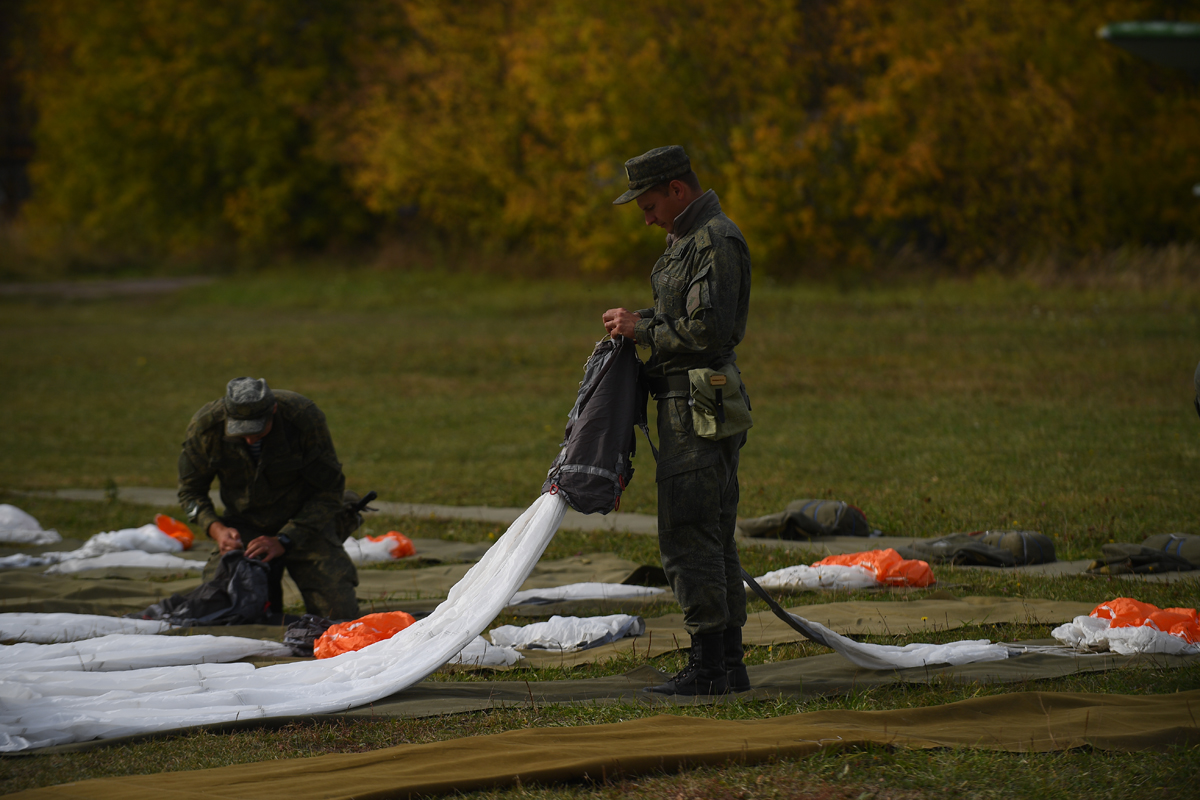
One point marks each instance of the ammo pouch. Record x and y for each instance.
(719, 405)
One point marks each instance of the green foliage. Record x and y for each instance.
(838, 134)
(170, 127)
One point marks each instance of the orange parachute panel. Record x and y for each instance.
(1125, 612)
(345, 637)
(889, 568)
(175, 529)
(403, 546)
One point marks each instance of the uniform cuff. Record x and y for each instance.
(295, 533)
(641, 332)
(205, 519)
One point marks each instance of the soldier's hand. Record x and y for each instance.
(227, 538)
(620, 322)
(264, 547)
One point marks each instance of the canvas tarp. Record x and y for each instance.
(666, 633)
(828, 674)
(122, 590)
(1022, 722)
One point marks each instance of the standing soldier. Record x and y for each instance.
(282, 488)
(701, 290)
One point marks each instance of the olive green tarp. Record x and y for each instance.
(666, 633)
(123, 590)
(1022, 722)
(828, 674)
(825, 674)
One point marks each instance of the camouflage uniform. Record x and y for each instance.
(701, 301)
(294, 491)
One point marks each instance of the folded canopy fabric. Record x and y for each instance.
(20, 527)
(149, 538)
(568, 634)
(1130, 627)
(1021, 722)
(51, 628)
(589, 590)
(128, 558)
(26, 663)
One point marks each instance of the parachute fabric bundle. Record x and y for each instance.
(865, 570)
(568, 634)
(116, 704)
(1129, 627)
(378, 549)
(149, 546)
(19, 527)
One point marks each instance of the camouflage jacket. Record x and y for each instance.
(294, 489)
(701, 293)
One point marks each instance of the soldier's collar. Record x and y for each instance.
(699, 211)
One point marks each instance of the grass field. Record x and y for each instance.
(951, 406)
(935, 407)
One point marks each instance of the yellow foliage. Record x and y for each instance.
(836, 133)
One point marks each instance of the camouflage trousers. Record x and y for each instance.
(697, 518)
(319, 565)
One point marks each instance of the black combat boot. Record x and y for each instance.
(735, 671)
(705, 670)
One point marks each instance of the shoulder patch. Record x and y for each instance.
(703, 239)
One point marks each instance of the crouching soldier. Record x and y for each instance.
(282, 488)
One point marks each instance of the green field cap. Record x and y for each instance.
(650, 169)
(248, 405)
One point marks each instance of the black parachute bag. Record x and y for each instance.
(238, 594)
(595, 463)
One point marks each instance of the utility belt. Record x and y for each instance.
(672, 385)
(720, 407)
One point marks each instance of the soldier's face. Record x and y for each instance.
(261, 434)
(662, 209)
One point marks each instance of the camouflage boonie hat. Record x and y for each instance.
(248, 406)
(660, 165)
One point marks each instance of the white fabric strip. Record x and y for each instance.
(22, 626)
(25, 663)
(582, 591)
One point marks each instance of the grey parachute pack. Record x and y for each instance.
(595, 462)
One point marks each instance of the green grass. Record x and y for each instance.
(951, 406)
(935, 408)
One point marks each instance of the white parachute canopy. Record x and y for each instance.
(42, 709)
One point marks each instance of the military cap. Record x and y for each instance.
(248, 406)
(660, 165)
